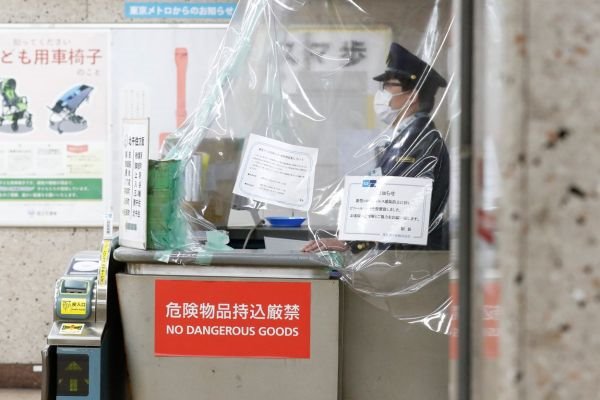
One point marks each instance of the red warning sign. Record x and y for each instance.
(232, 319)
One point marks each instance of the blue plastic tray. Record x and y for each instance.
(285, 221)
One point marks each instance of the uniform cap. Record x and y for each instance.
(403, 63)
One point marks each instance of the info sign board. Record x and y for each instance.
(277, 173)
(53, 126)
(232, 319)
(387, 209)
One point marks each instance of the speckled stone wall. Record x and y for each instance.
(32, 260)
(547, 248)
(562, 271)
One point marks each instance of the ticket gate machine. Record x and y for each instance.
(85, 337)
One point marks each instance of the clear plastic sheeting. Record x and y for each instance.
(335, 111)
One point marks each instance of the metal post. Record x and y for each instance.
(464, 250)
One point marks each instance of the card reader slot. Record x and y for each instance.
(76, 291)
(73, 286)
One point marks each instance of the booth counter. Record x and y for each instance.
(351, 349)
(248, 361)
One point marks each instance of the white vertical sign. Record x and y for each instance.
(134, 183)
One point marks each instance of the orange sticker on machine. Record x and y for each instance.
(71, 329)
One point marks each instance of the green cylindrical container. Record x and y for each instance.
(166, 227)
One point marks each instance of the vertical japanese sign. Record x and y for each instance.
(232, 319)
(134, 183)
(53, 126)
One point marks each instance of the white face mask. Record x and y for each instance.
(381, 105)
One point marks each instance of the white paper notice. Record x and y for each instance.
(277, 173)
(387, 209)
(134, 192)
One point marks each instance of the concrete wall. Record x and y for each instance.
(545, 56)
(32, 258)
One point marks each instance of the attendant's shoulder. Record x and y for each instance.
(422, 128)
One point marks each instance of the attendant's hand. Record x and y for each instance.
(332, 244)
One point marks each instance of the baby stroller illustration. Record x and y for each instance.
(63, 116)
(14, 107)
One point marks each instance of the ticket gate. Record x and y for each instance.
(84, 356)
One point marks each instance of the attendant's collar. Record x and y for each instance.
(407, 121)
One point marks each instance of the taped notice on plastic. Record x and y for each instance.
(277, 173)
(387, 209)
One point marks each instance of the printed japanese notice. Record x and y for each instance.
(53, 126)
(232, 319)
(277, 173)
(385, 209)
(134, 184)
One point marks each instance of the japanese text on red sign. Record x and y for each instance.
(239, 319)
(233, 311)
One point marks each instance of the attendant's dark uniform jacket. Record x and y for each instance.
(418, 151)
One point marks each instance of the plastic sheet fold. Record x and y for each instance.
(335, 111)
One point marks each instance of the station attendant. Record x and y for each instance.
(405, 102)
